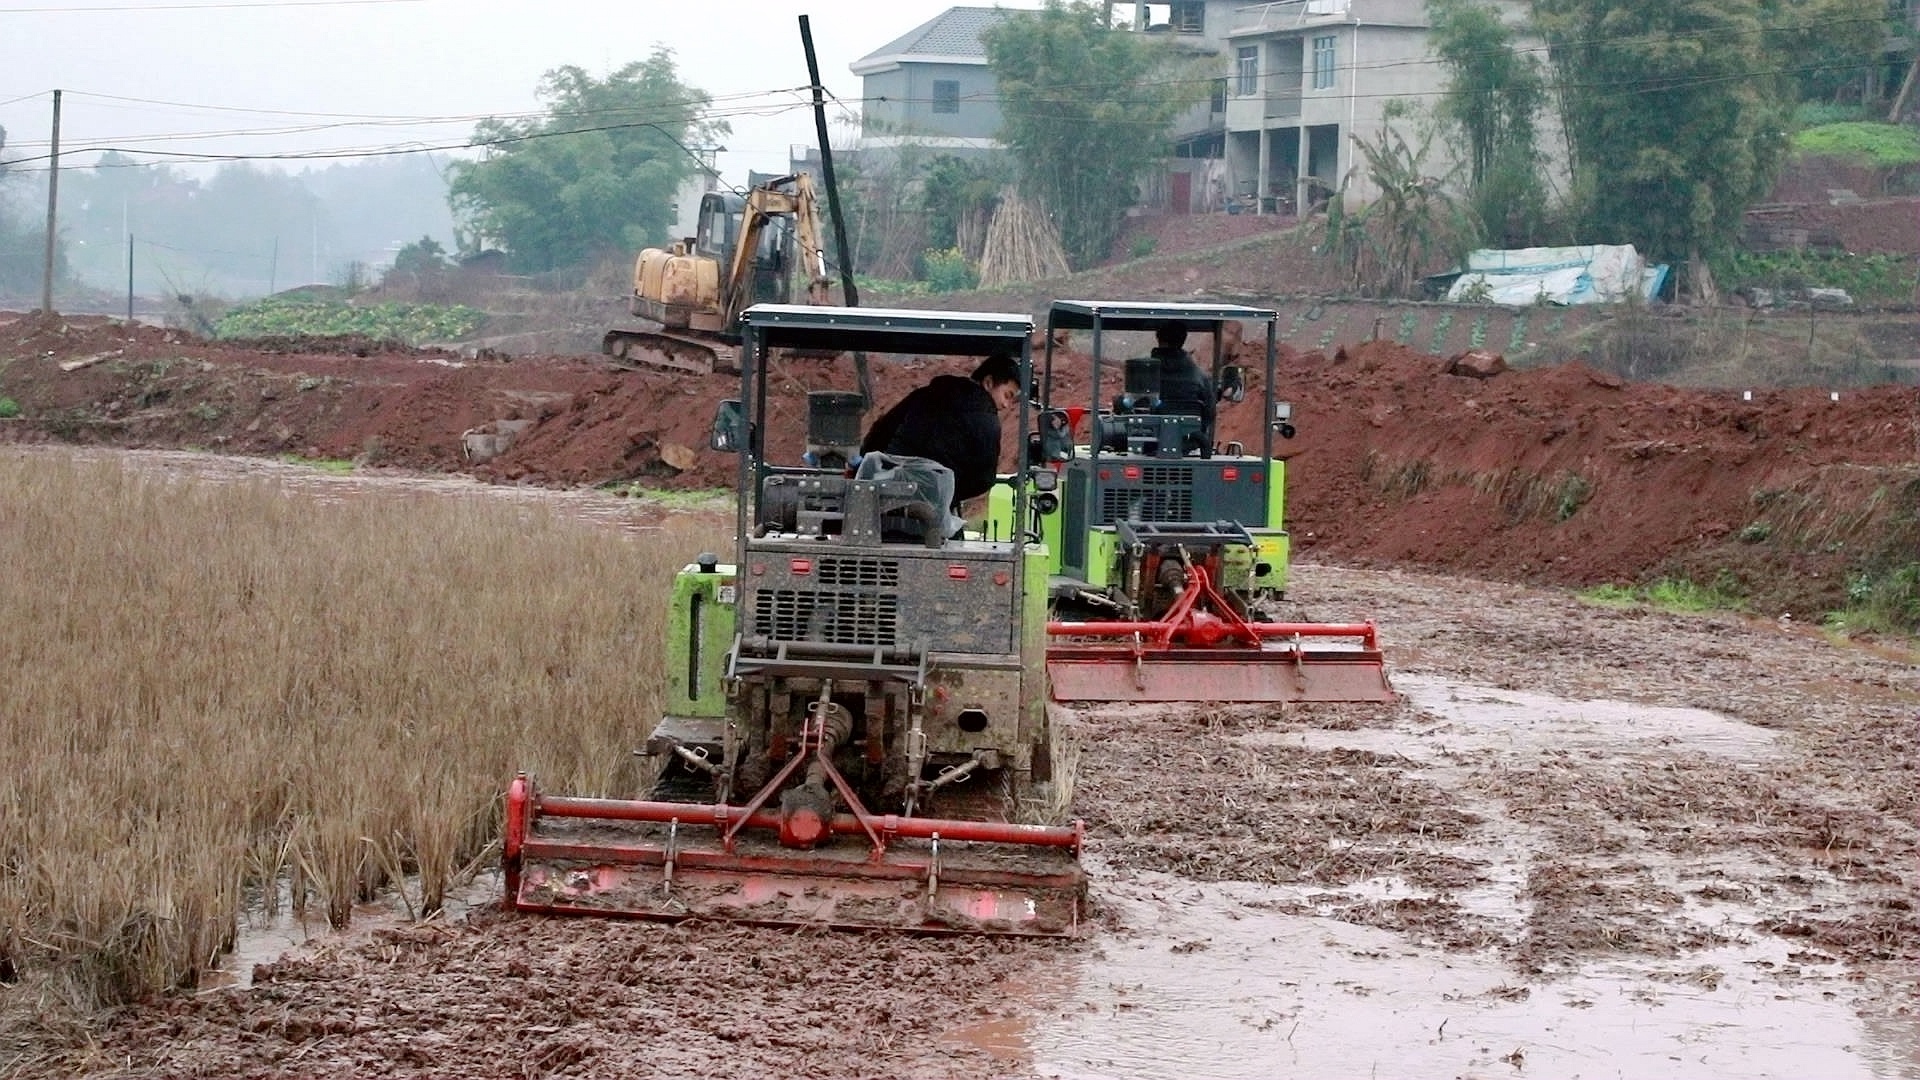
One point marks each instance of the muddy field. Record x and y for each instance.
(1586, 841)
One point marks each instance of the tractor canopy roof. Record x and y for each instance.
(887, 330)
(1140, 315)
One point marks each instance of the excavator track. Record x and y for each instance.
(642, 350)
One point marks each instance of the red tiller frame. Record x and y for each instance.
(1208, 652)
(636, 875)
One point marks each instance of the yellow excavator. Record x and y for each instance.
(744, 253)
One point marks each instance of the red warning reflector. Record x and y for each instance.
(801, 566)
(957, 572)
(759, 568)
(1131, 472)
(1106, 474)
(1257, 477)
(1001, 577)
(1229, 473)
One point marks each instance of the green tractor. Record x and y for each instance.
(1169, 549)
(857, 731)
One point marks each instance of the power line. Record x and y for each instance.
(1640, 86)
(374, 117)
(741, 107)
(197, 7)
(388, 151)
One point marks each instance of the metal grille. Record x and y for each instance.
(859, 573)
(1164, 493)
(844, 618)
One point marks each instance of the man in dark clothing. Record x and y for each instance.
(1185, 390)
(953, 421)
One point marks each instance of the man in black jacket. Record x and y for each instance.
(1185, 390)
(953, 421)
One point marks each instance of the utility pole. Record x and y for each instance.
(847, 286)
(129, 284)
(848, 289)
(53, 202)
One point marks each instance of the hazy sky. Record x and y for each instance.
(198, 77)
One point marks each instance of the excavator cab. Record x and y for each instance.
(769, 277)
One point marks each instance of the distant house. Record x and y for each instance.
(1300, 78)
(1297, 79)
(686, 199)
(931, 87)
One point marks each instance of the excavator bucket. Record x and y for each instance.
(674, 860)
(1201, 650)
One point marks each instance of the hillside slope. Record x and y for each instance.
(1560, 475)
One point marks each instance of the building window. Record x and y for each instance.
(1189, 17)
(1323, 62)
(1217, 101)
(946, 95)
(1246, 71)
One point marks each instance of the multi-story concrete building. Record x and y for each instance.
(1301, 77)
(1308, 75)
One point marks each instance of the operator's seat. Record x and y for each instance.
(909, 519)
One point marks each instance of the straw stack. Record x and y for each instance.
(1022, 245)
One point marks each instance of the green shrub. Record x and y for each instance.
(1882, 602)
(889, 286)
(947, 270)
(1572, 494)
(1672, 594)
(1813, 114)
(1869, 279)
(9, 408)
(1142, 246)
(1881, 145)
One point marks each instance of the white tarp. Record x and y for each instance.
(1593, 274)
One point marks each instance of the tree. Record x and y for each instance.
(1493, 95)
(1086, 109)
(1833, 47)
(1412, 229)
(596, 174)
(1676, 114)
(959, 197)
(423, 257)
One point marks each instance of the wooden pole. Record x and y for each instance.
(53, 202)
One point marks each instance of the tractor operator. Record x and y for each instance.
(1185, 390)
(953, 421)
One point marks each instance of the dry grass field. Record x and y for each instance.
(221, 695)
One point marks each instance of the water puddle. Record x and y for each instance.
(1233, 979)
(1208, 980)
(1007, 1039)
(1470, 719)
(264, 938)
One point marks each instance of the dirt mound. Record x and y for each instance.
(1558, 474)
